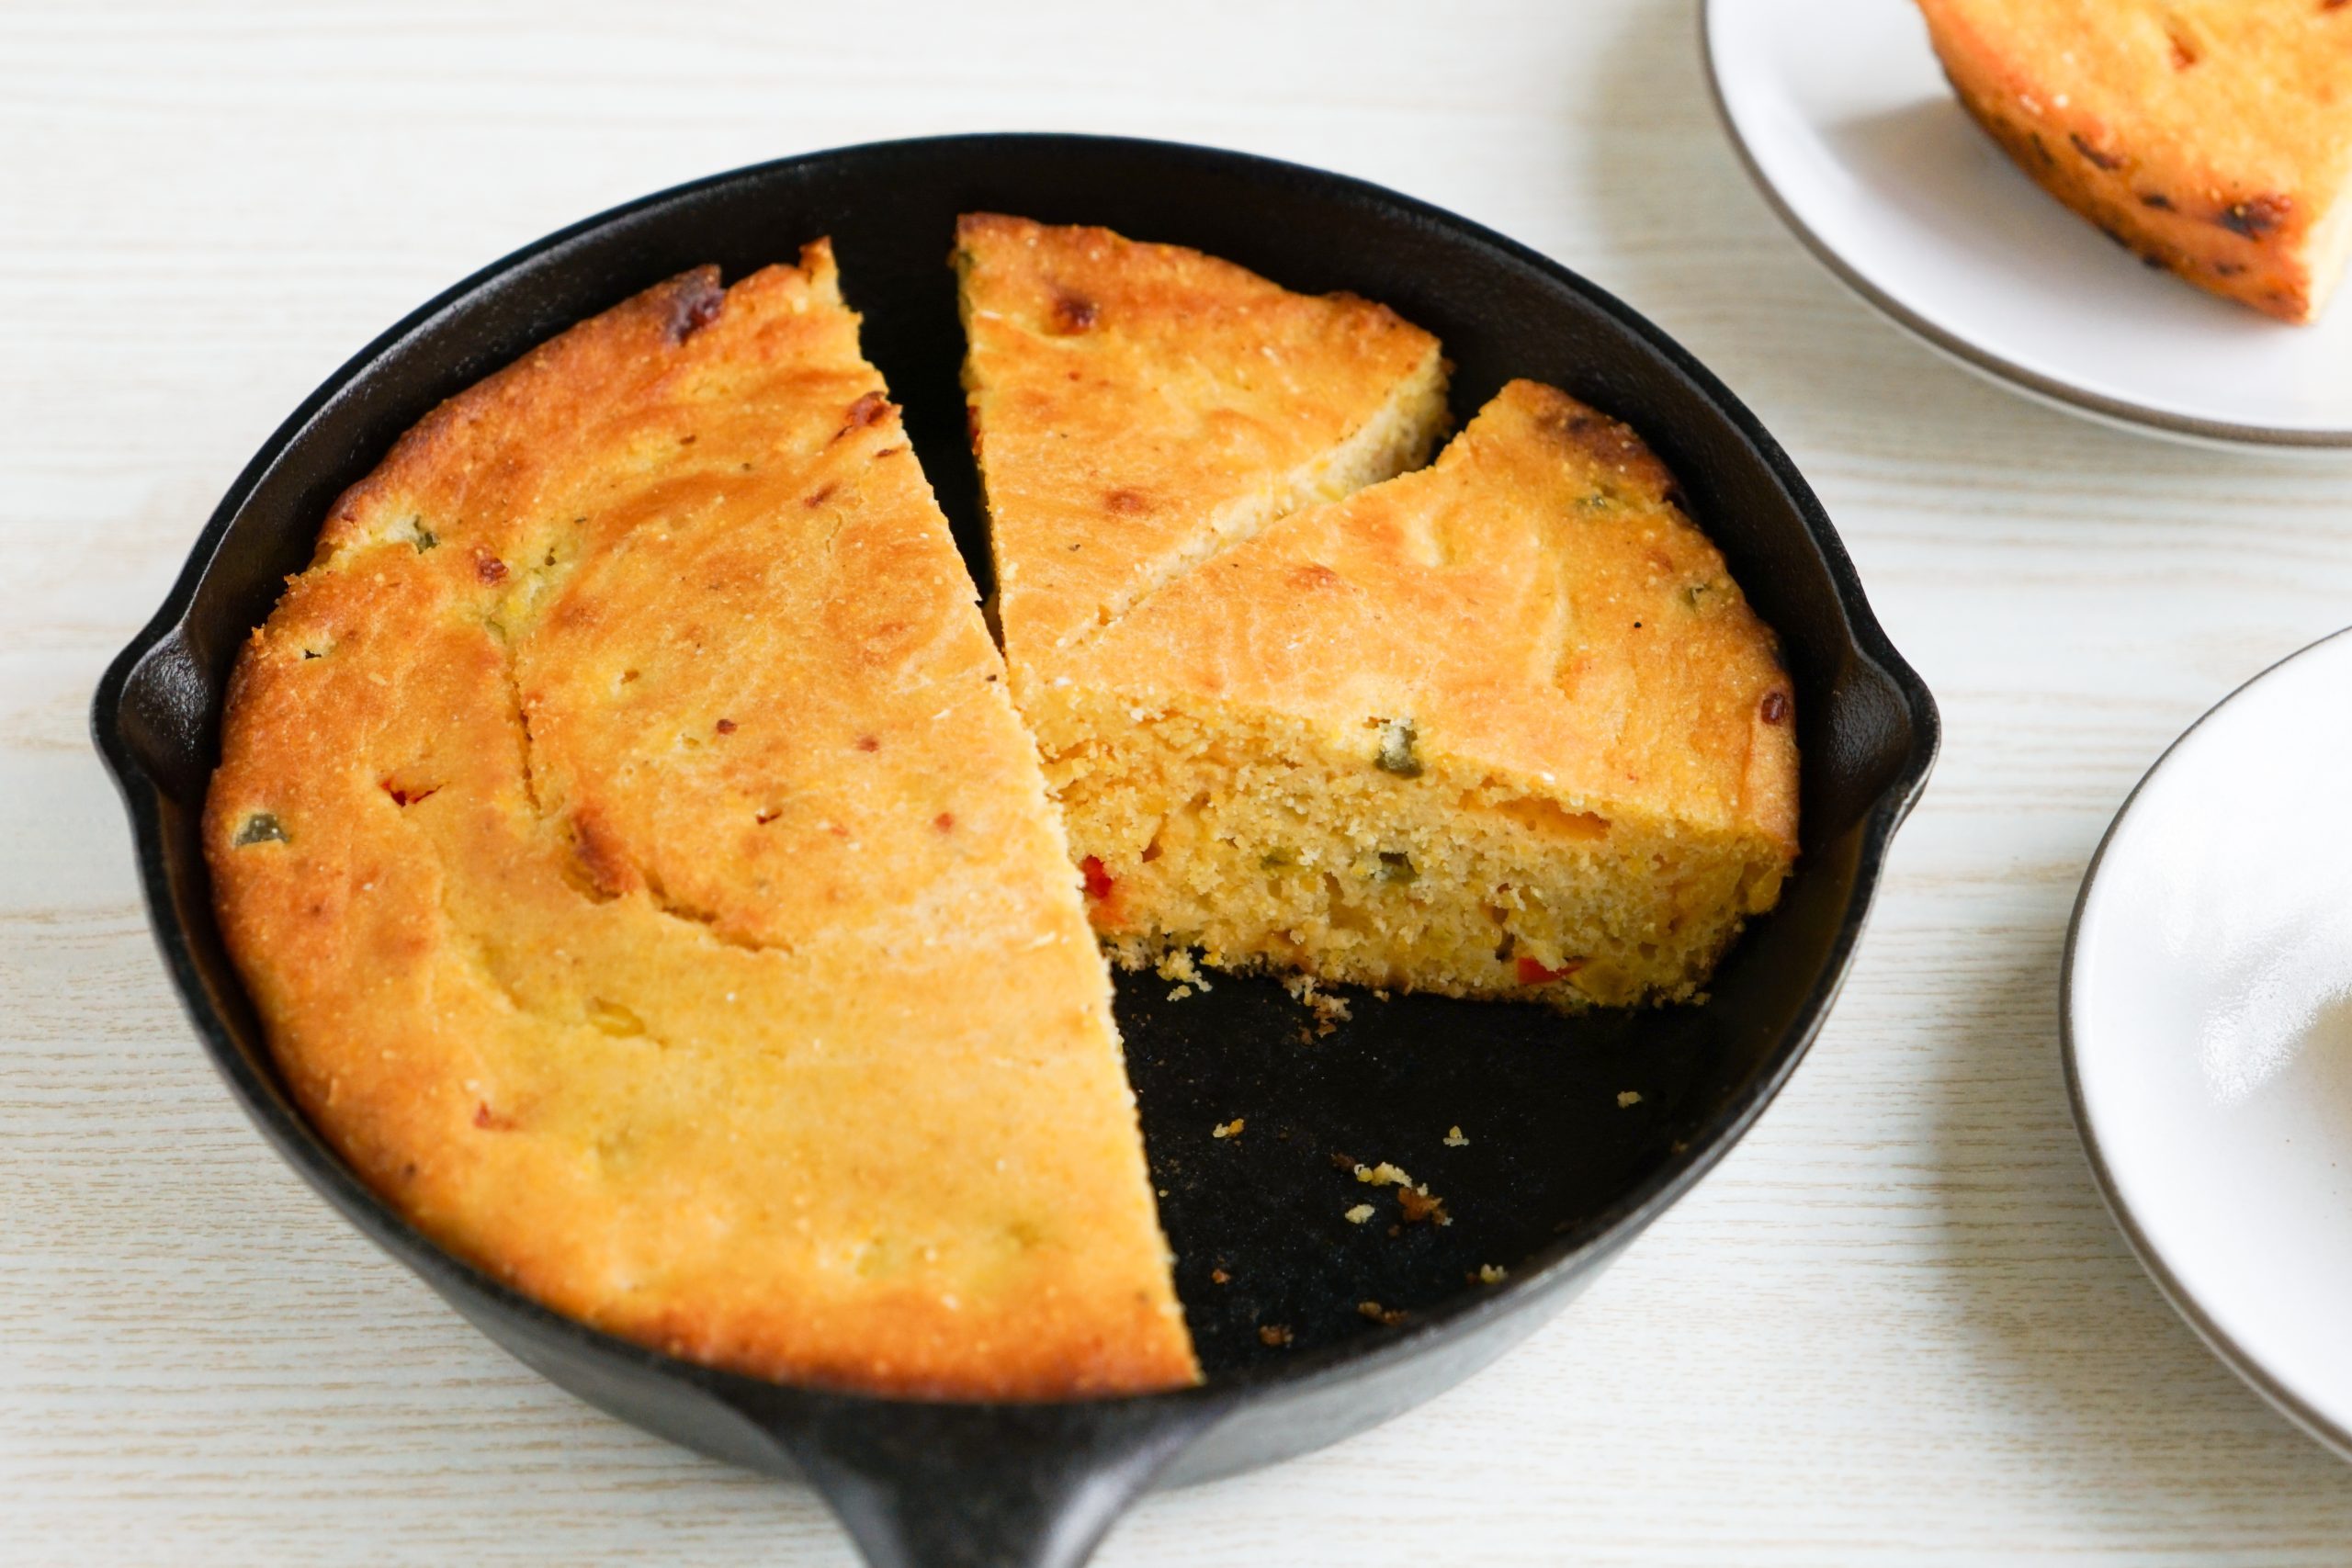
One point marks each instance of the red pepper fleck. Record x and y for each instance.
(1072, 312)
(404, 796)
(490, 569)
(487, 1118)
(944, 821)
(1098, 881)
(695, 302)
(1775, 709)
(2256, 214)
(870, 409)
(1532, 972)
(2097, 156)
(867, 743)
(818, 496)
(725, 727)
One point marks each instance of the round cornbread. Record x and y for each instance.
(629, 843)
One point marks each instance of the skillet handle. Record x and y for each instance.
(990, 1486)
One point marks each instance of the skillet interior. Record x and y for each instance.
(1556, 1174)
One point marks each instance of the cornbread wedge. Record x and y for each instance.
(1503, 726)
(627, 840)
(2213, 137)
(1137, 407)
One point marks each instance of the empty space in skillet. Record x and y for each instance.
(1553, 1158)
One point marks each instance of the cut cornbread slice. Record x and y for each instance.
(645, 880)
(1504, 727)
(1136, 407)
(2213, 137)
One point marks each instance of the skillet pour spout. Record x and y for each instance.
(1558, 1172)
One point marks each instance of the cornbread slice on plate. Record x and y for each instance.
(1137, 407)
(627, 840)
(1503, 726)
(2213, 137)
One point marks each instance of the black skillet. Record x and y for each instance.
(1558, 1175)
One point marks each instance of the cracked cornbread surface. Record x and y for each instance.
(2212, 137)
(627, 840)
(1501, 727)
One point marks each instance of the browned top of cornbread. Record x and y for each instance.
(2213, 136)
(625, 836)
(1134, 402)
(1535, 603)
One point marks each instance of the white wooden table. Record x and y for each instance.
(1906, 1330)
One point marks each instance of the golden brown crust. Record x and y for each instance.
(2211, 137)
(623, 831)
(1535, 599)
(1134, 404)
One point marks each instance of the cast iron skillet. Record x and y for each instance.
(1556, 1177)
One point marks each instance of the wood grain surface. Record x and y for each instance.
(1903, 1328)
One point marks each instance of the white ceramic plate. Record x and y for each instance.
(1845, 119)
(2208, 1029)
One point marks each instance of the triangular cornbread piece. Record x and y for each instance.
(627, 838)
(1501, 727)
(2213, 137)
(1137, 407)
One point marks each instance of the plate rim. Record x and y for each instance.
(2016, 378)
(2274, 1389)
